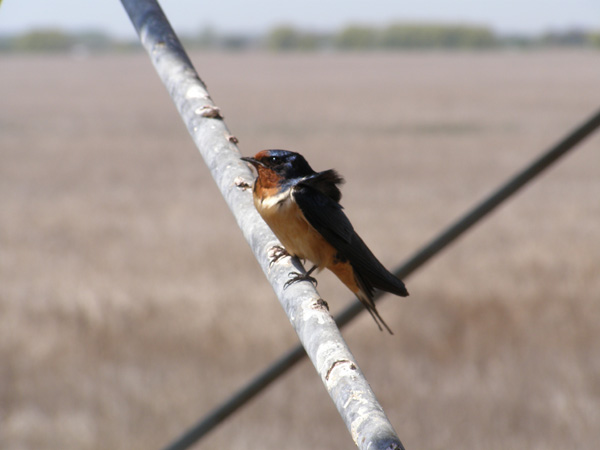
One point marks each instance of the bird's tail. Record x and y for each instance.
(370, 306)
(370, 273)
(390, 283)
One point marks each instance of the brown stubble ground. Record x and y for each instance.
(130, 305)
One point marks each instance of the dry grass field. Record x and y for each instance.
(130, 305)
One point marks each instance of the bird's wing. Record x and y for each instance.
(325, 182)
(326, 216)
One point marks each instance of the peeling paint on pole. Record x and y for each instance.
(345, 383)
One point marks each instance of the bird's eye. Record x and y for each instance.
(274, 159)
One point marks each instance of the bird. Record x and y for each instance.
(302, 208)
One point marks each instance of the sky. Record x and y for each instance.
(257, 16)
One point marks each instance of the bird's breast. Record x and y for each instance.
(285, 218)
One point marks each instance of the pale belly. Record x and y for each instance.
(297, 236)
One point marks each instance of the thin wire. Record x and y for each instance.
(445, 238)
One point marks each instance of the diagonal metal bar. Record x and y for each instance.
(419, 258)
(317, 331)
(237, 400)
(486, 206)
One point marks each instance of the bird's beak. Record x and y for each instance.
(254, 162)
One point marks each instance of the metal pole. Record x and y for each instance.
(436, 245)
(318, 333)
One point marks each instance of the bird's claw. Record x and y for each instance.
(276, 253)
(297, 276)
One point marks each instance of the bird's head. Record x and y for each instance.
(285, 164)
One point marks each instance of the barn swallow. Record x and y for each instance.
(302, 209)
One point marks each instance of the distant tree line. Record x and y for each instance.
(408, 36)
(399, 36)
(53, 40)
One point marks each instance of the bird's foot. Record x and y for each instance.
(297, 276)
(276, 253)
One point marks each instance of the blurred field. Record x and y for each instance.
(130, 305)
